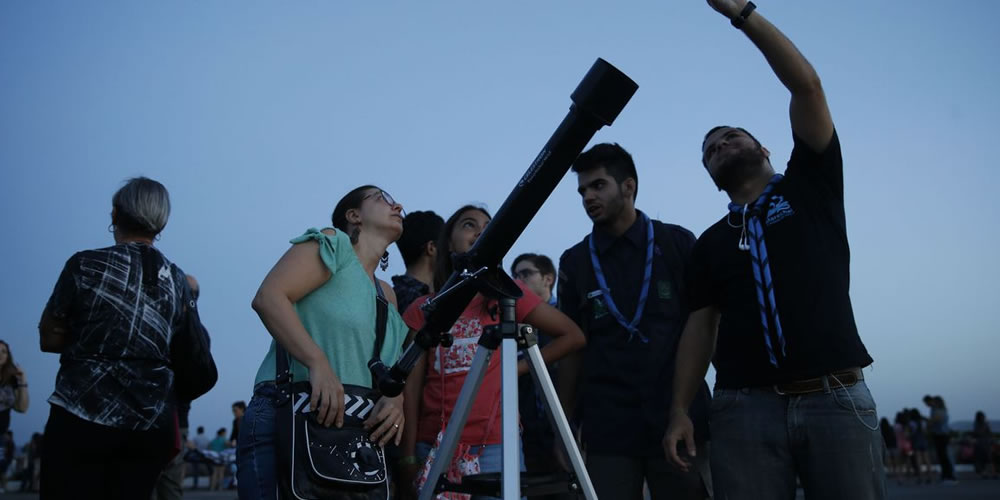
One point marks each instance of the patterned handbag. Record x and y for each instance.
(319, 462)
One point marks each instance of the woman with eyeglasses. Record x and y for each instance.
(433, 386)
(318, 302)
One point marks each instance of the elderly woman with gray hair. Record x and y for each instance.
(112, 426)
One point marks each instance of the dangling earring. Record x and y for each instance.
(111, 227)
(384, 261)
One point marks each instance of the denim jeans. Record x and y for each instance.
(490, 460)
(830, 440)
(256, 470)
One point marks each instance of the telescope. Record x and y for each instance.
(597, 101)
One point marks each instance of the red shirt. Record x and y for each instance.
(441, 390)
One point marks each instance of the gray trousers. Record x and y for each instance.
(168, 485)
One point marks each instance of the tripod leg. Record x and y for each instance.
(544, 382)
(467, 396)
(511, 472)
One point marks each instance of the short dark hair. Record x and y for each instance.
(543, 263)
(418, 228)
(616, 162)
(201, 429)
(349, 201)
(717, 127)
(240, 404)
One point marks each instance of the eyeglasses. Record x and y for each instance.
(386, 197)
(524, 274)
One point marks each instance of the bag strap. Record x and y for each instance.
(282, 371)
(381, 317)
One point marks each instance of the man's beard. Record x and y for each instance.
(739, 168)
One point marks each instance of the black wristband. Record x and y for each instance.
(744, 14)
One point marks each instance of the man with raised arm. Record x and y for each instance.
(768, 291)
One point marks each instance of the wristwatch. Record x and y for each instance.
(744, 14)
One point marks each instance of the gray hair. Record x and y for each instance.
(142, 205)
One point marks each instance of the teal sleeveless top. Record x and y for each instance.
(340, 316)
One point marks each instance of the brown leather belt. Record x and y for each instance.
(845, 378)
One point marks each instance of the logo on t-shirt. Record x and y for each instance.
(663, 290)
(458, 357)
(778, 209)
(599, 308)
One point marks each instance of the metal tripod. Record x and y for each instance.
(511, 336)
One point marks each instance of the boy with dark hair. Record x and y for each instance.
(538, 272)
(416, 245)
(623, 284)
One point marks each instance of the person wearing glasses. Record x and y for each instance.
(433, 386)
(318, 301)
(624, 285)
(539, 274)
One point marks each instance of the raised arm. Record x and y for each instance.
(808, 110)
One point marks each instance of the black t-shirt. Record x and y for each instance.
(625, 385)
(408, 289)
(805, 231)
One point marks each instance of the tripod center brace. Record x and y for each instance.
(597, 101)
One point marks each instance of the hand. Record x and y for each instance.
(728, 8)
(327, 394)
(386, 420)
(19, 373)
(680, 429)
(522, 367)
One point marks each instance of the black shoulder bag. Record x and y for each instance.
(319, 462)
(191, 359)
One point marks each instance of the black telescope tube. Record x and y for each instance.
(597, 101)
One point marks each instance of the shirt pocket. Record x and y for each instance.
(596, 316)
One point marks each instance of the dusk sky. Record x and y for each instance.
(259, 116)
